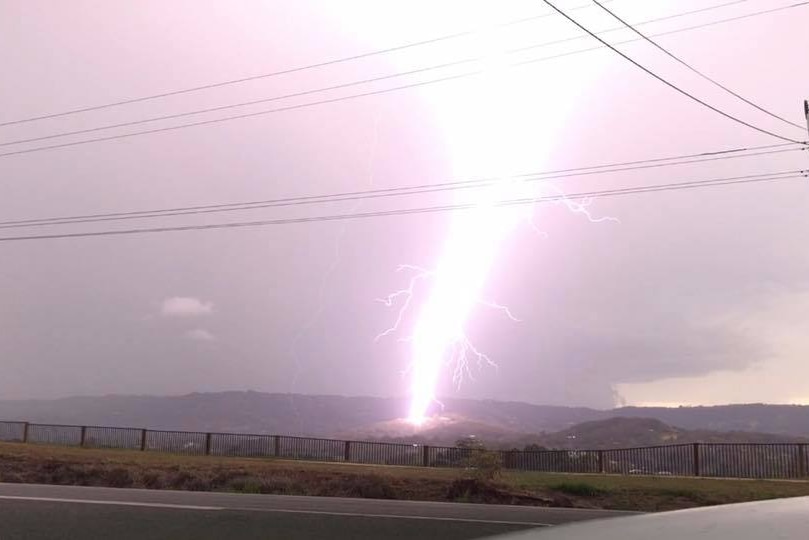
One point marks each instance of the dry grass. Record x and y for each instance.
(125, 468)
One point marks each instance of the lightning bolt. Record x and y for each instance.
(439, 337)
(407, 293)
(581, 206)
(462, 349)
(506, 122)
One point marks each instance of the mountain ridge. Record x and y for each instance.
(334, 416)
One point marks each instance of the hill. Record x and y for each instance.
(294, 414)
(330, 416)
(444, 430)
(782, 419)
(631, 432)
(614, 432)
(237, 412)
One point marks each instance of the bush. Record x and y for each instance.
(580, 489)
(198, 484)
(151, 480)
(281, 485)
(689, 494)
(179, 480)
(118, 477)
(245, 485)
(484, 465)
(67, 474)
(11, 477)
(471, 442)
(370, 486)
(476, 491)
(223, 478)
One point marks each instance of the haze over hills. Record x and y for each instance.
(293, 414)
(615, 432)
(511, 423)
(237, 412)
(632, 432)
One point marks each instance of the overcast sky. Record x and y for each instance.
(692, 297)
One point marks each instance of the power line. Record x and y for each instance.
(695, 70)
(341, 86)
(749, 179)
(381, 91)
(396, 191)
(288, 71)
(666, 82)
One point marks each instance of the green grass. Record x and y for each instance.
(152, 470)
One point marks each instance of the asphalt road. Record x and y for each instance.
(61, 512)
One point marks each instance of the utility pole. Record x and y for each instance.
(806, 112)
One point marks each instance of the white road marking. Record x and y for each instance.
(111, 503)
(394, 516)
(278, 510)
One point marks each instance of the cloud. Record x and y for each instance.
(185, 306)
(200, 334)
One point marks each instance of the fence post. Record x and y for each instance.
(601, 461)
(83, 436)
(207, 444)
(277, 446)
(25, 432)
(425, 458)
(801, 460)
(507, 457)
(512, 459)
(142, 440)
(696, 459)
(347, 451)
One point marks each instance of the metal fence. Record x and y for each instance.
(48, 434)
(384, 453)
(12, 431)
(112, 437)
(730, 460)
(239, 445)
(783, 460)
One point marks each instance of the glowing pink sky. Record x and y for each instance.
(696, 297)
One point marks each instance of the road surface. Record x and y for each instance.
(59, 512)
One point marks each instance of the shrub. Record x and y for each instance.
(11, 477)
(179, 480)
(580, 489)
(281, 485)
(67, 474)
(370, 486)
(198, 483)
(474, 490)
(118, 477)
(151, 480)
(682, 493)
(224, 477)
(484, 465)
(245, 485)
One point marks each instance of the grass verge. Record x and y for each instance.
(123, 468)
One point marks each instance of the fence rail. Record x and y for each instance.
(730, 460)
